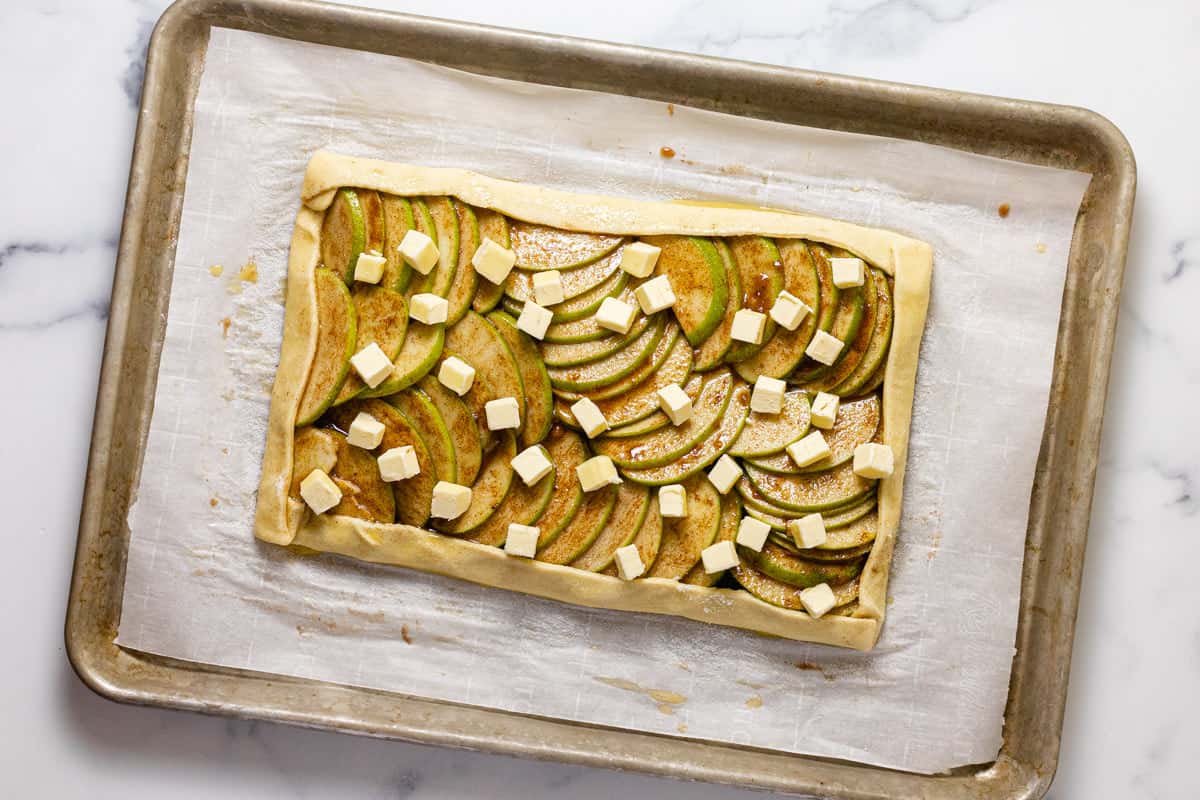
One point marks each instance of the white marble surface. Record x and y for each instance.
(71, 74)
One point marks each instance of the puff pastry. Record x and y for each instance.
(669, 346)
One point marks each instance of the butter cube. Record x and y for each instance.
(369, 267)
(824, 348)
(503, 414)
(547, 287)
(724, 474)
(672, 501)
(589, 416)
(596, 473)
(809, 449)
(428, 308)
(320, 492)
(522, 540)
(655, 294)
(872, 460)
(399, 464)
(534, 320)
(371, 364)
(767, 397)
(629, 562)
(365, 432)
(808, 531)
(748, 326)
(456, 375)
(639, 258)
(493, 261)
(615, 315)
(418, 251)
(675, 403)
(818, 600)
(824, 410)
(719, 557)
(449, 500)
(847, 272)
(752, 533)
(532, 464)
(789, 311)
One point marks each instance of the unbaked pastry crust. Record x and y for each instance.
(282, 520)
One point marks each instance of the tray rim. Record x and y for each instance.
(1096, 269)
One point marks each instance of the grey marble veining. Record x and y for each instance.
(72, 76)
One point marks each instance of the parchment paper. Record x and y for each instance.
(199, 587)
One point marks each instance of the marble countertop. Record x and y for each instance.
(72, 76)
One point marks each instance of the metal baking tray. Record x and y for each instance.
(1023, 131)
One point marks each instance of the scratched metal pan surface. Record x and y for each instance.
(1029, 132)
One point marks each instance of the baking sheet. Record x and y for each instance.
(198, 586)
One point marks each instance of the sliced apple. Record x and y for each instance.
(312, 448)
(354, 222)
(760, 272)
(639, 400)
(422, 347)
(440, 211)
(657, 419)
(523, 505)
(489, 491)
(823, 377)
(776, 562)
(466, 279)
(539, 411)
(575, 282)
(697, 275)
(818, 491)
(566, 451)
(365, 495)
(857, 423)
(492, 225)
(585, 304)
(632, 397)
(539, 247)
(783, 351)
(415, 495)
(496, 375)
(398, 220)
(669, 443)
(574, 354)
(784, 595)
(648, 538)
(420, 409)
(695, 460)
(383, 319)
(337, 332)
(683, 539)
(628, 514)
(460, 424)
(584, 329)
(843, 542)
(612, 368)
(876, 351)
(593, 514)
(731, 517)
(764, 434)
(715, 348)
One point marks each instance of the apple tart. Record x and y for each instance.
(664, 407)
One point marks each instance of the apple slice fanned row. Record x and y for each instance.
(706, 451)
(575, 282)
(866, 355)
(786, 595)
(784, 350)
(857, 423)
